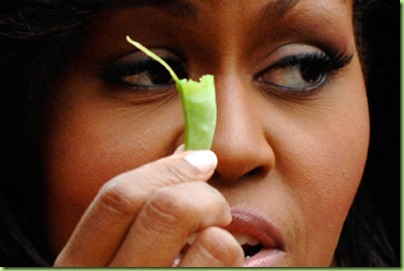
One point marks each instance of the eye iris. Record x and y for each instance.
(311, 75)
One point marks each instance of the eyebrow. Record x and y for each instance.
(184, 8)
(278, 8)
(176, 8)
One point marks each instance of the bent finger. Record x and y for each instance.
(105, 223)
(214, 247)
(169, 216)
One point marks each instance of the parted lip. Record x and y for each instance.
(249, 222)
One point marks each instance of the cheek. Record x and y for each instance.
(323, 166)
(327, 194)
(88, 144)
(341, 155)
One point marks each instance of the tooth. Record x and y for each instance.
(242, 239)
(191, 238)
(252, 241)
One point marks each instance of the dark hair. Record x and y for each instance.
(36, 37)
(371, 234)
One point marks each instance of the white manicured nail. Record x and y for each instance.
(205, 161)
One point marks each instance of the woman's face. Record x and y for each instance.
(293, 127)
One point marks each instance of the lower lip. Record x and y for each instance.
(265, 258)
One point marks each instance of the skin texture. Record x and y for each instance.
(294, 159)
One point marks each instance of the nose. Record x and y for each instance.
(240, 142)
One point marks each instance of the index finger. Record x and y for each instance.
(105, 223)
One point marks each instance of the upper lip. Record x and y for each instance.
(250, 223)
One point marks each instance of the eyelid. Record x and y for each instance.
(139, 55)
(333, 61)
(126, 65)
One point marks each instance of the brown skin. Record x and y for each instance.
(296, 160)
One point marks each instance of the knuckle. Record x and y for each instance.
(115, 198)
(169, 207)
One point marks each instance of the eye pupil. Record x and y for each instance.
(311, 74)
(159, 75)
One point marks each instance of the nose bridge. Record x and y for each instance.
(235, 112)
(240, 142)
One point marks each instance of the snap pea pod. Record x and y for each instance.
(198, 101)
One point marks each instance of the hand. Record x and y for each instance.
(144, 217)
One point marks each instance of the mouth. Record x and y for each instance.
(262, 242)
(250, 244)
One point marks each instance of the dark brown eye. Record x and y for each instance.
(147, 74)
(144, 72)
(302, 72)
(293, 77)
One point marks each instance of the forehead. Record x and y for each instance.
(180, 8)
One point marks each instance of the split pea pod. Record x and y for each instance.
(198, 101)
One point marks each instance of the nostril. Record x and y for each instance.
(258, 171)
(255, 173)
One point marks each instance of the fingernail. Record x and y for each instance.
(205, 161)
(180, 148)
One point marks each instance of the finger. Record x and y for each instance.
(214, 247)
(106, 221)
(169, 216)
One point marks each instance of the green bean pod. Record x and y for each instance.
(198, 101)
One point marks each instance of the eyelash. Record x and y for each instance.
(324, 64)
(319, 63)
(115, 73)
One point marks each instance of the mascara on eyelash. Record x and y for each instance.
(115, 72)
(327, 62)
(319, 62)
